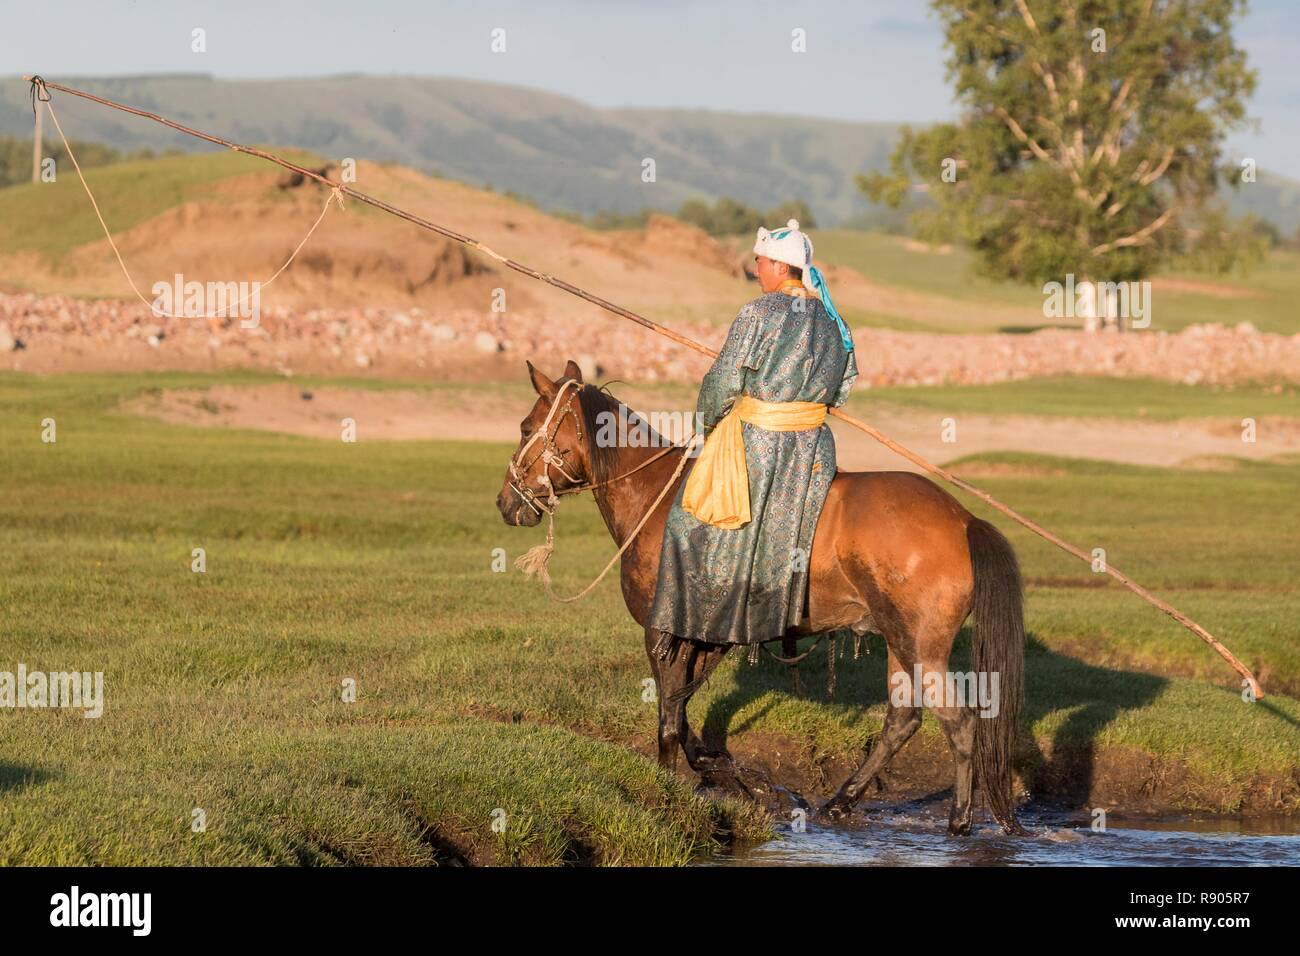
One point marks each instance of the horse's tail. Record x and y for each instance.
(998, 648)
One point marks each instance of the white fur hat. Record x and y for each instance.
(787, 245)
(794, 248)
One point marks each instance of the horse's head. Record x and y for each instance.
(552, 456)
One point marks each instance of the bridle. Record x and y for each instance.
(552, 456)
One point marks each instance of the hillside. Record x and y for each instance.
(226, 217)
(558, 152)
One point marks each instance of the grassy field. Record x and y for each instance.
(373, 562)
(1264, 296)
(1081, 397)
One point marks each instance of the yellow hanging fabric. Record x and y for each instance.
(717, 490)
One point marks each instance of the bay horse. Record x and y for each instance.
(893, 554)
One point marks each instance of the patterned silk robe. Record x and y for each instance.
(747, 585)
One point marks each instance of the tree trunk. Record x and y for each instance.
(1086, 304)
(1109, 307)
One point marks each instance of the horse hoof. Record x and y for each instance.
(834, 811)
(959, 829)
(723, 785)
(754, 780)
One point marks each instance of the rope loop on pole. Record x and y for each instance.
(40, 92)
(335, 196)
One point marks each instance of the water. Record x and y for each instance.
(919, 837)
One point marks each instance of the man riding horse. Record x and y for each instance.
(734, 565)
(761, 518)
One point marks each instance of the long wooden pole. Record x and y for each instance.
(39, 85)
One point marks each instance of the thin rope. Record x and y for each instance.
(596, 486)
(545, 550)
(334, 196)
(791, 661)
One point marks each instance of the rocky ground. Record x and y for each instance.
(55, 333)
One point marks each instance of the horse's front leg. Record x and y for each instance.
(700, 663)
(657, 646)
(683, 665)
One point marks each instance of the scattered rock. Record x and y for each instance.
(96, 335)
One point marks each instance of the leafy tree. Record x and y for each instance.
(1217, 244)
(1091, 131)
(791, 209)
(729, 217)
(16, 157)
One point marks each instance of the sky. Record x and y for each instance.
(866, 59)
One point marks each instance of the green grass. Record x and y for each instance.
(885, 258)
(372, 561)
(52, 219)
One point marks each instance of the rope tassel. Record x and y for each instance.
(534, 561)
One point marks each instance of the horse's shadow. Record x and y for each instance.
(1077, 700)
(14, 778)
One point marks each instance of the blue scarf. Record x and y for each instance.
(819, 283)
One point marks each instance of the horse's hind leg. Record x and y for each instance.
(959, 727)
(900, 724)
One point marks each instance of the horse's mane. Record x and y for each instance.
(592, 401)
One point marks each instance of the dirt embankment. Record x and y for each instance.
(404, 302)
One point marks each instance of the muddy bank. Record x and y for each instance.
(1126, 783)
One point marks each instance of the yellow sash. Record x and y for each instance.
(717, 491)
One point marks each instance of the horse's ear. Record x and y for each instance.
(572, 371)
(544, 386)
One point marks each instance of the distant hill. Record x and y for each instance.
(556, 151)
